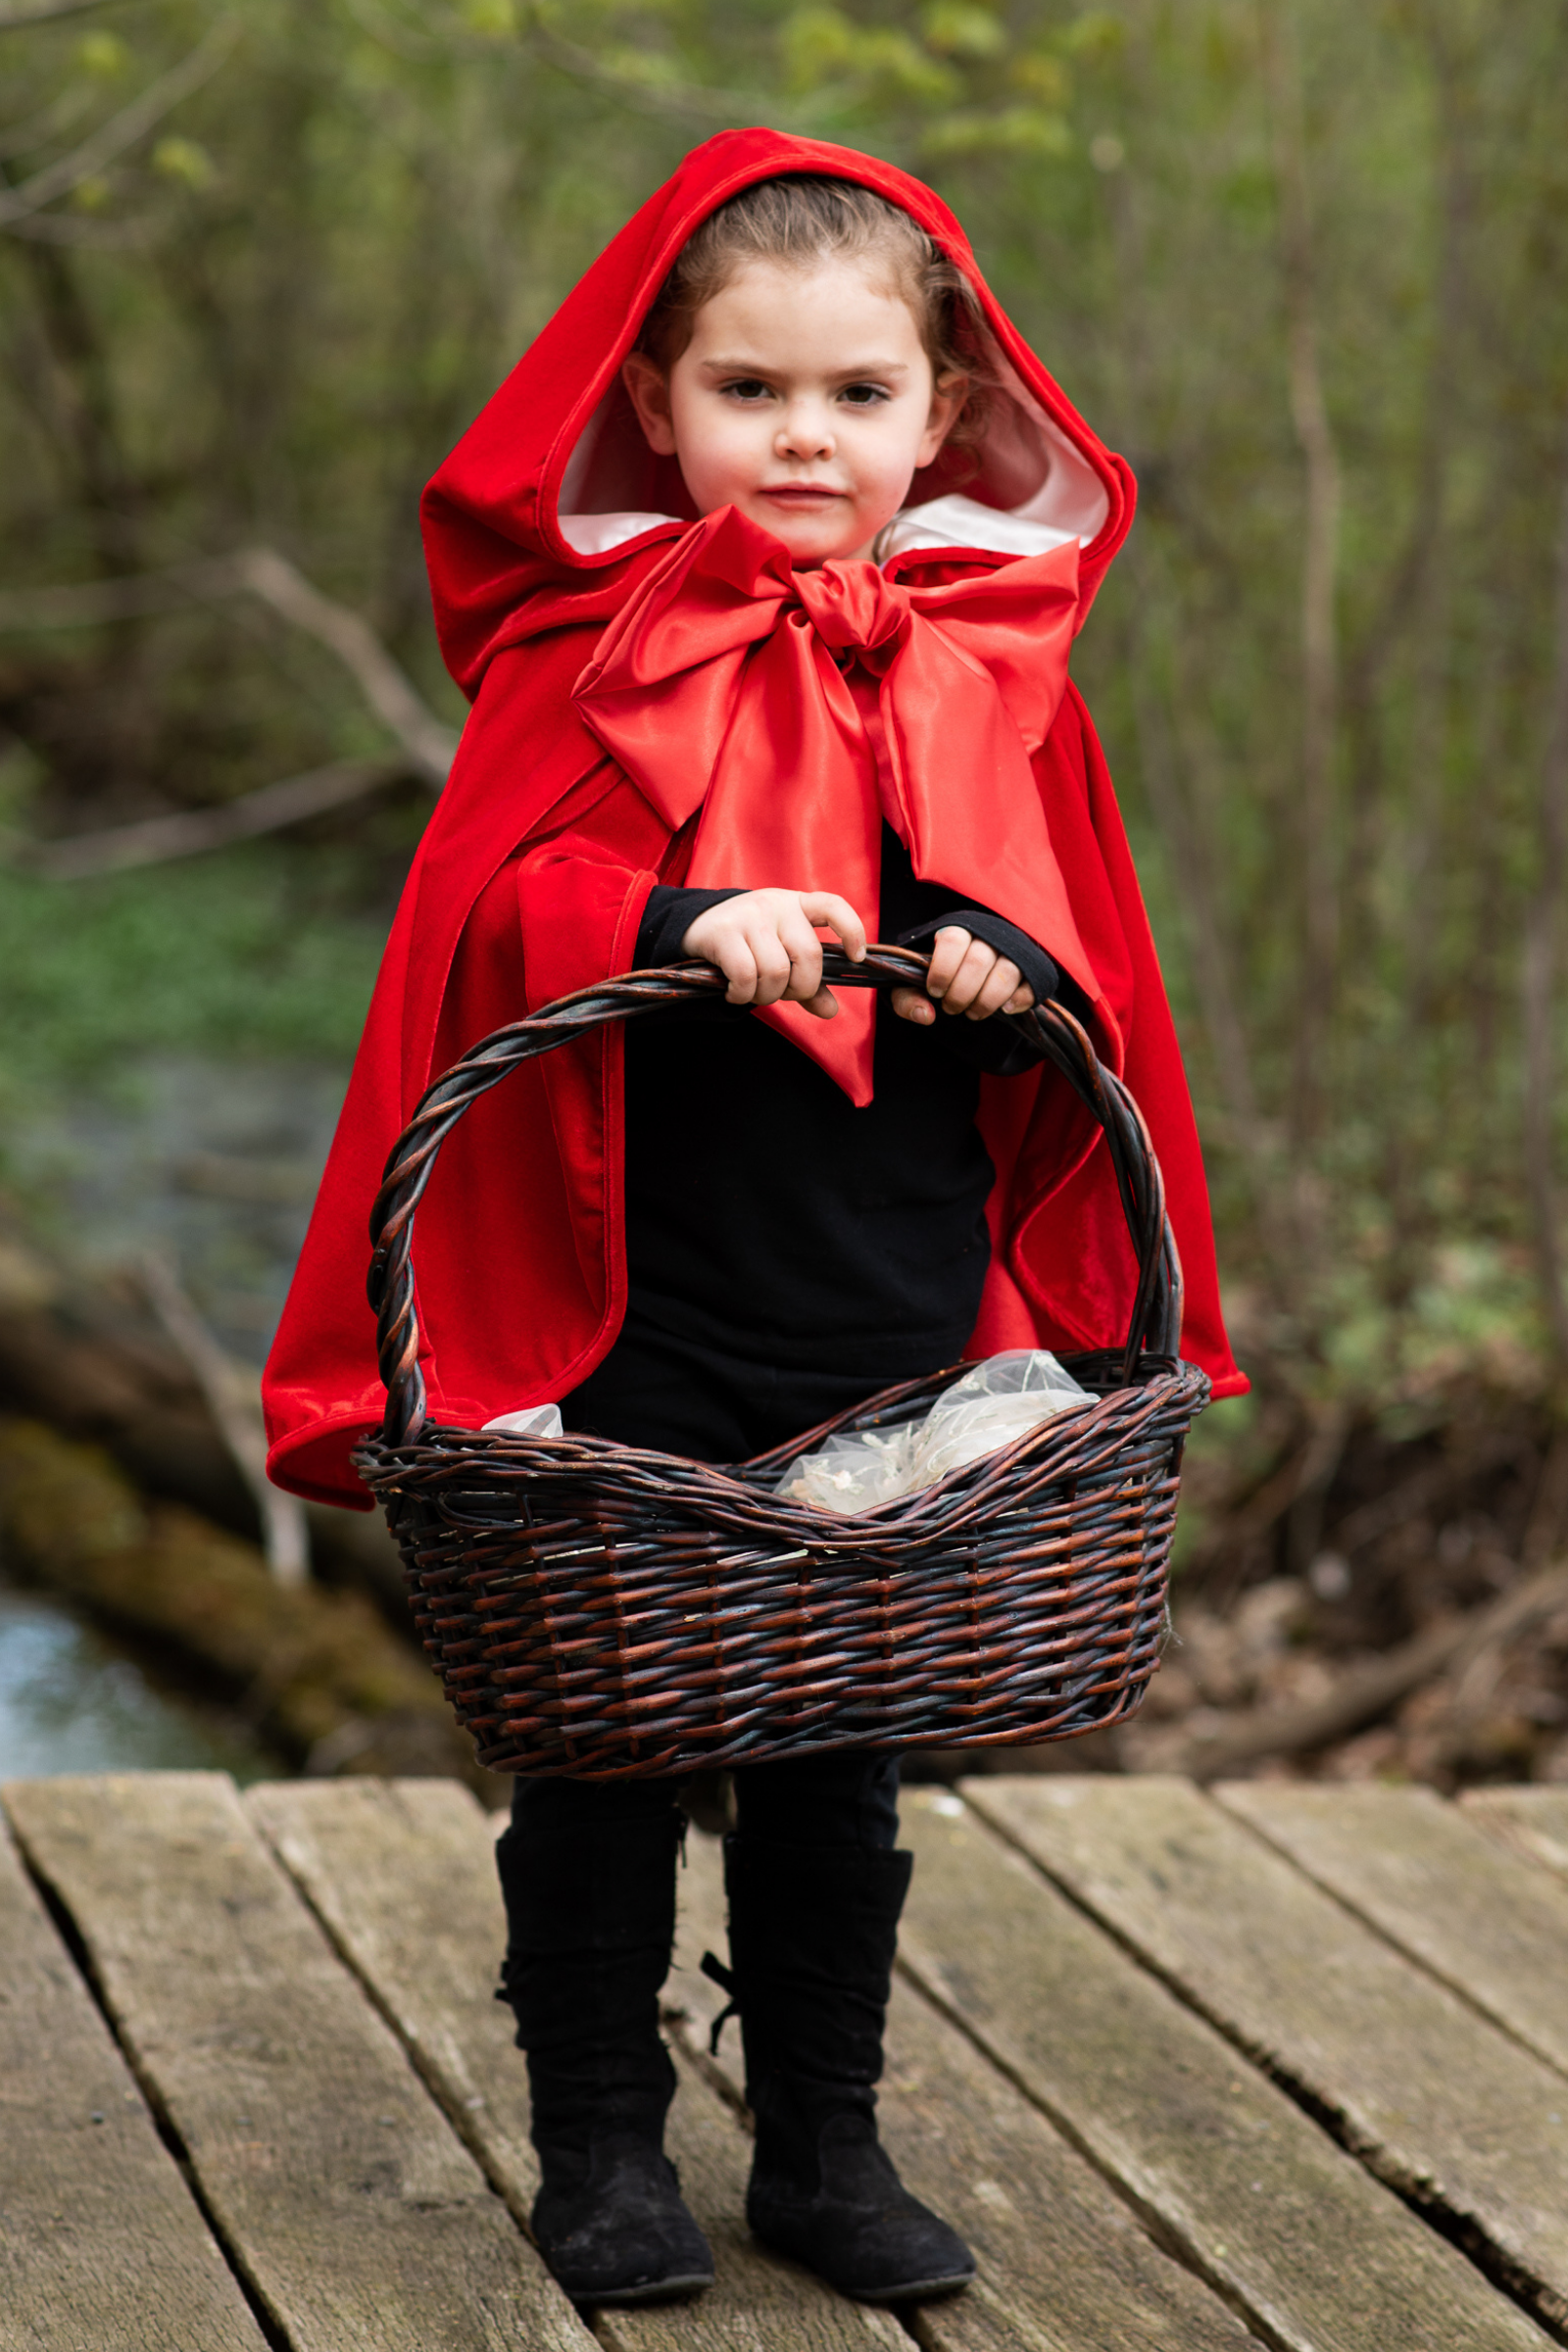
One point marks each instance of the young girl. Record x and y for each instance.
(762, 571)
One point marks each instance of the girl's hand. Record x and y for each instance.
(965, 976)
(765, 943)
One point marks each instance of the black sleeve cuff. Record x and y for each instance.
(992, 1045)
(1038, 968)
(666, 918)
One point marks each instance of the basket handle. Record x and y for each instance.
(1056, 1037)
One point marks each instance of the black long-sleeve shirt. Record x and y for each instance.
(769, 1218)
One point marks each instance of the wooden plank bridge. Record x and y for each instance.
(1272, 2064)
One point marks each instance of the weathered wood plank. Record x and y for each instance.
(404, 1876)
(1064, 2265)
(1433, 1883)
(1437, 2100)
(1263, 2203)
(355, 2214)
(102, 2246)
(1530, 1822)
(401, 1874)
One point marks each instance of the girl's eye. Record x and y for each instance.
(747, 388)
(863, 396)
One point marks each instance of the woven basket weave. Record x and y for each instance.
(598, 1610)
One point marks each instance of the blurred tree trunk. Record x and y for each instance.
(75, 401)
(1319, 571)
(1541, 971)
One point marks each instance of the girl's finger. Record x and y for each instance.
(804, 949)
(912, 1005)
(774, 970)
(735, 960)
(974, 969)
(948, 952)
(822, 908)
(996, 988)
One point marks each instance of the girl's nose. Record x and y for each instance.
(806, 432)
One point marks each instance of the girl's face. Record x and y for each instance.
(804, 397)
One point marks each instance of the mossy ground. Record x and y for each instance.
(305, 1666)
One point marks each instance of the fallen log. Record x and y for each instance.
(93, 1364)
(319, 1675)
(1365, 1692)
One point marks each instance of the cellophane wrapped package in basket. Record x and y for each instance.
(990, 1405)
(534, 1421)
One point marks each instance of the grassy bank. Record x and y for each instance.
(266, 950)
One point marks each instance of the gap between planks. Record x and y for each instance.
(1051, 2232)
(1452, 2113)
(1260, 2199)
(403, 1876)
(86, 2185)
(352, 2212)
(1531, 1823)
(1424, 1873)
(1064, 2265)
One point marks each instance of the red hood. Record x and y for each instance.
(559, 438)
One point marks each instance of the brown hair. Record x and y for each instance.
(797, 219)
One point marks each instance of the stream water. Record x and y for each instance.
(69, 1701)
(216, 1164)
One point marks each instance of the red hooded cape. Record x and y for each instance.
(562, 558)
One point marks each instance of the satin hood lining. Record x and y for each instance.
(953, 522)
(1036, 473)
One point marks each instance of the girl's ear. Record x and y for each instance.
(648, 390)
(947, 405)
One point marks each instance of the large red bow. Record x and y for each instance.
(797, 709)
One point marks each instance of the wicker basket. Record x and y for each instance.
(597, 1611)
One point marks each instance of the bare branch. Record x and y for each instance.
(41, 12)
(429, 744)
(124, 129)
(261, 572)
(81, 229)
(401, 39)
(657, 96)
(235, 1401)
(28, 132)
(91, 603)
(159, 839)
(686, 101)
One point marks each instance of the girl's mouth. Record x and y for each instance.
(804, 494)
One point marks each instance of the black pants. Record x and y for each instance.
(848, 1798)
(658, 1388)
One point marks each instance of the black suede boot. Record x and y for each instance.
(591, 1919)
(812, 1932)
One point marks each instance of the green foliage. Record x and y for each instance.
(184, 160)
(954, 30)
(103, 54)
(1009, 130)
(256, 950)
